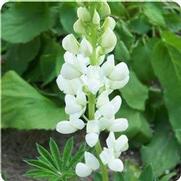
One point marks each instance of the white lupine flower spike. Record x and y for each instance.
(88, 79)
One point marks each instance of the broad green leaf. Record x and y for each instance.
(135, 93)
(19, 55)
(121, 52)
(172, 39)
(51, 60)
(118, 9)
(147, 174)
(173, 21)
(154, 14)
(139, 25)
(141, 61)
(68, 16)
(139, 129)
(167, 67)
(23, 107)
(124, 33)
(21, 22)
(162, 152)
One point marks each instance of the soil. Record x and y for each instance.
(20, 145)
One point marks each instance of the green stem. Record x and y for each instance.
(98, 148)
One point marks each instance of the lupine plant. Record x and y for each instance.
(88, 77)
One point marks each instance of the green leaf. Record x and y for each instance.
(139, 128)
(141, 55)
(67, 151)
(135, 93)
(78, 156)
(131, 172)
(168, 176)
(21, 22)
(23, 107)
(51, 60)
(162, 152)
(55, 153)
(124, 33)
(172, 39)
(147, 174)
(167, 67)
(139, 25)
(154, 14)
(118, 9)
(45, 156)
(42, 166)
(18, 56)
(68, 16)
(121, 51)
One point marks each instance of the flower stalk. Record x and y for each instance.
(87, 79)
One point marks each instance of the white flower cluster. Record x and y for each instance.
(85, 74)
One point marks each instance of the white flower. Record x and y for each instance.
(109, 22)
(93, 79)
(79, 27)
(75, 106)
(85, 47)
(114, 125)
(70, 44)
(117, 75)
(83, 14)
(69, 86)
(109, 156)
(117, 145)
(108, 40)
(107, 108)
(92, 130)
(67, 127)
(96, 18)
(74, 66)
(85, 169)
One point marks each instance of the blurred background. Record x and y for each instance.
(148, 41)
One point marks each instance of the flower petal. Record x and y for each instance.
(110, 141)
(91, 139)
(116, 102)
(77, 123)
(65, 127)
(118, 125)
(116, 165)
(82, 170)
(91, 161)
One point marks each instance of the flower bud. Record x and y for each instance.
(91, 161)
(109, 40)
(70, 44)
(105, 9)
(79, 27)
(85, 47)
(96, 18)
(65, 127)
(109, 23)
(83, 14)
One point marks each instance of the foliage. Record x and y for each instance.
(54, 165)
(149, 42)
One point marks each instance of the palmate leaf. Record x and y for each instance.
(53, 165)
